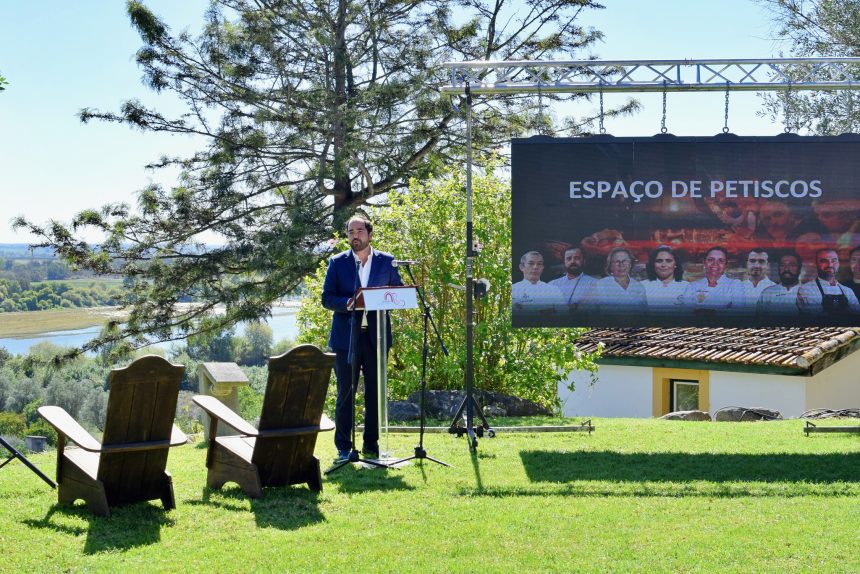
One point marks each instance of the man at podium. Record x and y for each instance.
(360, 266)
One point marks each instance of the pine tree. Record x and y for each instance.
(309, 110)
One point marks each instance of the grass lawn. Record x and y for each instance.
(24, 323)
(635, 496)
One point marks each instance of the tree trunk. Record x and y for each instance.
(340, 175)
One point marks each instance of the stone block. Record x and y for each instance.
(744, 414)
(686, 416)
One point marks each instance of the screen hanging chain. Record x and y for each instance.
(540, 111)
(663, 129)
(787, 110)
(602, 129)
(726, 119)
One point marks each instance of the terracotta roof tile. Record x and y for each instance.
(795, 348)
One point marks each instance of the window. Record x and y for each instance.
(675, 389)
(683, 395)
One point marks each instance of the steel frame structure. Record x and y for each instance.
(583, 76)
(589, 76)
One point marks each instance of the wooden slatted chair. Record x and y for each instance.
(281, 451)
(129, 464)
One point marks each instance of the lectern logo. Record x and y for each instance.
(392, 298)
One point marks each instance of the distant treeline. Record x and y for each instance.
(32, 271)
(37, 285)
(24, 251)
(54, 295)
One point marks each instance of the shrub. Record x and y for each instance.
(6, 381)
(15, 442)
(283, 346)
(70, 394)
(12, 424)
(211, 346)
(255, 346)
(94, 410)
(250, 403)
(30, 411)
(24, 391)
(42, 428)
(188, 414)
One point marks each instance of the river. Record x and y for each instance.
(282, 322)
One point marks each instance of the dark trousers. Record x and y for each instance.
(365, 361)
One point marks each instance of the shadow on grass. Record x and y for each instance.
(282, 507)
(544, 466)
(681, 475)
(128, 527)
(351, 479)
(475, 456)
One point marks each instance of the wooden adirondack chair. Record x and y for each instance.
(281, 451)
(129, 464)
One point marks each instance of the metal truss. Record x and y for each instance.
(580, 76)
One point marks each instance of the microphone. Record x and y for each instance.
(399, 262)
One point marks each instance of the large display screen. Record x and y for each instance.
(686, 231)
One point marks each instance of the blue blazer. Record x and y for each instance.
(339, 285)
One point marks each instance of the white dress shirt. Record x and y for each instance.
(777, 301)
(753, 292)
(608, 296)
(726, 294)
(664, 298)
(574, 289)
(538, 296)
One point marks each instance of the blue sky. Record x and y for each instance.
(62, 56)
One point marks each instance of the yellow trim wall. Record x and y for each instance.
(660, 387)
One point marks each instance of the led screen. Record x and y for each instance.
(685, 231)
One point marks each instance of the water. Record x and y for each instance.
(282, 322)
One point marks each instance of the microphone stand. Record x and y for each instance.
(420, 452)
(354, 455)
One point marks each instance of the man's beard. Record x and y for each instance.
(788, 279)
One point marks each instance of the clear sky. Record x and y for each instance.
(61, 56)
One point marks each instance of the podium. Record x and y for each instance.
(382, 300)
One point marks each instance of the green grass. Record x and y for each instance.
(635, 496)
(24, 323)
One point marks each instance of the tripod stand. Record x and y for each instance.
(420, 452)
(354, 455)
(469, 404)
(22, 458)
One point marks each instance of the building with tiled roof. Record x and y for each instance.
(652, 371)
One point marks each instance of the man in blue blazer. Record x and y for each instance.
(360, 266)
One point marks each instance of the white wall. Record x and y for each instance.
(777, 392)
(627, 391)
(836, 387)
(619, 392)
